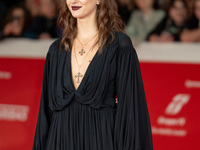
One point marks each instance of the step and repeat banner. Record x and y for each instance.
(171, 76)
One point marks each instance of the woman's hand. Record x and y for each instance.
(12, 28)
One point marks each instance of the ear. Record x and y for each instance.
(98, 1)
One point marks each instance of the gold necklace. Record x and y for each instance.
(82, 51)
(79, 74)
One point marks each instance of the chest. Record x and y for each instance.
(80, 63)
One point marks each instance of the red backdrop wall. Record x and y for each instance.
(172, 92)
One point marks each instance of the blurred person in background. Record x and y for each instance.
(125, 7)
(3, 10)
(44, 26)
(15, 23)
(169, 29)
(191, 33)
(163, 4)
(48, 19)
(33, 7)
(143, 20)
(190, 4)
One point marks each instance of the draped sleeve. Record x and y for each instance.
(132, 124)
(45, 113)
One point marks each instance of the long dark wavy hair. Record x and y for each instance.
(172, 2)
(108, 22)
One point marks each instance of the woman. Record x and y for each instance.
(191, 33)
(81, 80)
(16, 22)
(143, 20)
(169, 29)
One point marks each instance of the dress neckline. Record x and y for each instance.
(85, 74)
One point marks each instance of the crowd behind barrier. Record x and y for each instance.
(171, 79)
(145, 20)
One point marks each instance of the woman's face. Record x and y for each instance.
(178, 12)
(82, 8)
(197, 9)
(144, 4)
(18, 17)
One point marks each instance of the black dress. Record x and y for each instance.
(88, 118)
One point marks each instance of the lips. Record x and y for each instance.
(76, 7)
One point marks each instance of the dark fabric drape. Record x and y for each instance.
(132, 124)
(45, 113)
(88, 118)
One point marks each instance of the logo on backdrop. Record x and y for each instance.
(177, 104)
(192, 84)
(5, 75)
(14, 112)
(174, 108)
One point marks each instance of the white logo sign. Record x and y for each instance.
(192, 84)
(14, 112)
(177, 104)
(174, 107)
(5, 75)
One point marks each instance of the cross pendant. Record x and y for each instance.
(78, 75)
(81, 52)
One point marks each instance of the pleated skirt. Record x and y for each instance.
(81, 127)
